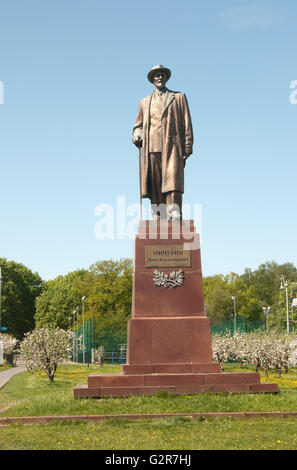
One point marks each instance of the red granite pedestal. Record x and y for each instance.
(169, 341)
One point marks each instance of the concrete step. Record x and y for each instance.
(152, 380)
(84, 391)
(121, 385)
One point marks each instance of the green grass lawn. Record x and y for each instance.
(28, 394)
(158, 434)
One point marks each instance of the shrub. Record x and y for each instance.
(267, 350)
(44, 348)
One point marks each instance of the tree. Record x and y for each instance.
(268, 351)
(19, 290)
(266, 283)
(107, 286)
(217, 297)
(266, 280)
(9, 343)
(221, 345)
(9, 346)
(44, 348)
(60, 297)
(253, 291)
(111, 297)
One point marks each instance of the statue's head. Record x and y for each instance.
(159, 75)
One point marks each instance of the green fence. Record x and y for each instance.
(89, 341)
(113, 338)
(242, 326)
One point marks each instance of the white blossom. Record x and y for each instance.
(266, 350)
(293, 353)
(9, 343)
(99, 353)
(221, 348)
(44, 348)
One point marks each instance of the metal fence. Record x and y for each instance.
(89, 340)
(241, 325)
(114, 340)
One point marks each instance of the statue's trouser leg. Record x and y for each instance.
(158, 199)
(174, 204)
(162, 204)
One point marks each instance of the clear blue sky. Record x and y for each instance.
(73, 73)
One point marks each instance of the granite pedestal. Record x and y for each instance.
(169, 341)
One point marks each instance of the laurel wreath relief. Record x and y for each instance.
(169, 281)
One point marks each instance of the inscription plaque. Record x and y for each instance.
(164, 256)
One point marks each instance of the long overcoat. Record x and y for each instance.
(177, 140)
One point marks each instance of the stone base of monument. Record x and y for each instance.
(189, 384)
(169, 340)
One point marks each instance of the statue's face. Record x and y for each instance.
(160, 78)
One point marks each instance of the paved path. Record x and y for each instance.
(7, 374)
(20, 367)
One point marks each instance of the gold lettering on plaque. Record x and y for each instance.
(167, 256)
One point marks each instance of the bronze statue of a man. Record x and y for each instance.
(163, 129)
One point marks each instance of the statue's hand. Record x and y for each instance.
(137, 141)
(185, 159)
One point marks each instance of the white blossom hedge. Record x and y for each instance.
(9, 343)
(266, 350)
(44, 348)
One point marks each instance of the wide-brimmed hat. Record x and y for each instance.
(158, 68)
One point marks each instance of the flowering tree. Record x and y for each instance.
(240, 348)
(99, 353)
(44, 348)
(293, 353)
(272, 351)
(221, 348)
(284, 352)
(9, 343)
(262, 350)
(268, 351)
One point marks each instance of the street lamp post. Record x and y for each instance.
(83, 326)
(74, 342)
(234, 300)
(75, 312)
(266, 311)
(285, 285)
